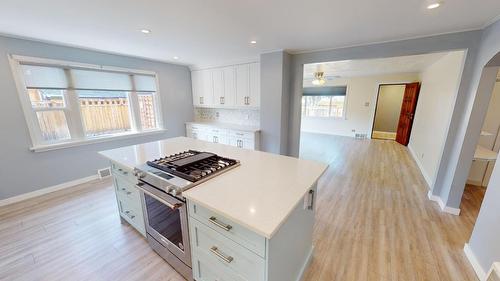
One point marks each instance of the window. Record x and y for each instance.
(65, 102)
(324, 102)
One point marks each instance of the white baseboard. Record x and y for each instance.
(306, 264)
(444, 208)
(40, 192)
(481, 274)
(474, 182)
(428, 180)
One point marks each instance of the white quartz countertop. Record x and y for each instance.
(227, 126)
(259, 194)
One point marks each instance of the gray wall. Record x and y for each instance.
(466, 123)
(274, 101)
(456, 41)
(485, 240)
(24, 171)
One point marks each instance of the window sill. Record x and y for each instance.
(48, 147)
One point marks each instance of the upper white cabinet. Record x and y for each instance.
(203, 87)
(230, 86)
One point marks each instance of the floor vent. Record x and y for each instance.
(360, 136)
(104, 173)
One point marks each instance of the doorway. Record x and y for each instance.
(394, 112)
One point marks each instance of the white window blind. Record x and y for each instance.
(145, 83)
(101, 80)
(44, 77)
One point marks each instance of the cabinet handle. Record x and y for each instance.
(248, 100)
(128, 193)
(311, 204)
(224, 226)
(123, 188)
(215, 250)
(201, 100)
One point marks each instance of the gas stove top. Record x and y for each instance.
(179, 172)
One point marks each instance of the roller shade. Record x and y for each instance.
(325, 91)
(44, 77)
(145, 83)
(101, 80)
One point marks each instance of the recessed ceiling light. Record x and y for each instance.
(145, 31)
(433, 5)
(253, 42)
(176, 58)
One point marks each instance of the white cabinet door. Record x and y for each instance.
(242, 84)
(229, 85)
(197, 87)
(218, 86)
(242, 143)
(207, 92)
(254, 79)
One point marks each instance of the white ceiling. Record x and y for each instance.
(216, 32)
(369, 67)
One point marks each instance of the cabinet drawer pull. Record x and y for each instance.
(224, 226)
(216, 252)
(128, 193)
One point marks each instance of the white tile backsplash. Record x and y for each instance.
(244, 117)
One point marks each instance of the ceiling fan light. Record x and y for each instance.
(318, 78)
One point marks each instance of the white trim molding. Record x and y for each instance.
(428, 180)
(48, 147)
(43, 191)
(481, 274)
(444, 208)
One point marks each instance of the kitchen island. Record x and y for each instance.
(253, 222)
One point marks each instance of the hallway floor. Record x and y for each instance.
(374, 220)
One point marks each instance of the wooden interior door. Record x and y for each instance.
(407, 113)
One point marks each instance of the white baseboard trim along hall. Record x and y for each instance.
(481, 274)
(420, 167)
(43, 191)
(444, 208)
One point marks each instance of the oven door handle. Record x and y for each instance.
(171, 206)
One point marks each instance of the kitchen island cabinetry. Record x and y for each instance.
(253, 222)
(128, 197)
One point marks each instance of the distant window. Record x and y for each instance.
(324, 102)
(65, 103)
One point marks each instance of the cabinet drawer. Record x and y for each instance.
(132, 214)
(204, 269)
(125, 173)
(212, 247)
(127, 190)
(242, 135)
(234, 231)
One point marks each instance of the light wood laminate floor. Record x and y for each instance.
(374, 222)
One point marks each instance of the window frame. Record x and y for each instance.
(72, 110)
(344, 112)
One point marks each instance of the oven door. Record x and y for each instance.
(166, 221)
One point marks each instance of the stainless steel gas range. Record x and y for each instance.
(161, 183)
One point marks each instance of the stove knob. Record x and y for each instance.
(175, 192)
(139, 174)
